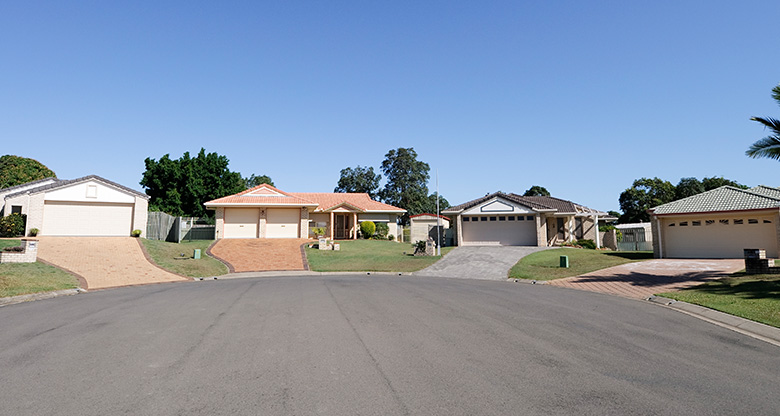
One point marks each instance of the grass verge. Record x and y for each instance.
(369, 256)
(165, 255)
(755, 297)
(545, 265)
(25, 278)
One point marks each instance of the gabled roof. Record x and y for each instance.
(725, 198)
(65, 183)
(29, 185)
(268, 196)
(430, 215)
(536, 203)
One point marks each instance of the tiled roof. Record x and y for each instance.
(430, 215)
(11, 188)
(538, 203)
(267, 195)
(725, 198)
(63, 183)
(766, 191)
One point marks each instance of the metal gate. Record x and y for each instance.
(634, 239)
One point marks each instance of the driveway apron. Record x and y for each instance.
(259, 255)
(646, 278)
(479, 262)
(103, 261)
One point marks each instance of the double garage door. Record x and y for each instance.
(505, 230)
(718, 237)
(87, 219)
(245, 222)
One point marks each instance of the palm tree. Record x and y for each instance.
(769, 146)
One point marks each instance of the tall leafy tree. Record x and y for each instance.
(642, 195)
(181, 186)
(360, 179)
(16, 170)
(407, 181)
(537, 190)
(688, 187)
(253, 181)
(769, 146)
(430, 204)
(717, 182)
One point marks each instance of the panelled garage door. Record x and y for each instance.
(87, 219)
(282, 223)
(241, 222)
(505, 230)
(718, 237)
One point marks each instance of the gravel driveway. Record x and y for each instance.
(487, 263)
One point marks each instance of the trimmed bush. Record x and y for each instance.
(586, 244)
(391, 237)
(382, 229)
(34, 232)
(12, 225)
(367, 228)
(136, 233)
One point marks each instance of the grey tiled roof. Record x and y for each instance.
(11, 188)
(64, 183)
(539, 203)
(766, 190)
(725, 198)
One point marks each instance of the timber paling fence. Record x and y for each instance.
(166, 227)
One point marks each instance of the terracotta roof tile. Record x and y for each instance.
(330, 200)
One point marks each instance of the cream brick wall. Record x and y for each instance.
(261, 223)
(303, 230)
(29, 255)
(219, 231)
(140, 215)
(35, 213)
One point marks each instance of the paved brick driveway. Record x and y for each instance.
(259, 255)
(103, 261)
(643, 279)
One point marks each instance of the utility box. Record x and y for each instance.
(565, 261)
(196, 254)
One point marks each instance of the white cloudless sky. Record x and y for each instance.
(581, 97)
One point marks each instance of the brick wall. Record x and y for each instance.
(29, 255)
(140, 215)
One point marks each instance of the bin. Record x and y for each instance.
(565, 261)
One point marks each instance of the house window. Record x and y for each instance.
(16, 209)
(696, 223)
(752, 221)
(510, 218)
(738, 222)
(724, 222)
(483, 218)
(520, 218)
(684, 224)
(530, 218)
(709, 222)
(492, 218)
(502, 218)
(671, 224)
(466, 219)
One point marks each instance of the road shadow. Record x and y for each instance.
(651, 280)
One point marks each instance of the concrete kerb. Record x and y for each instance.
(283, 273)
(744, 326)
(39, 296)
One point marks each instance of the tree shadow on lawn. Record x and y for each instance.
(752, 288)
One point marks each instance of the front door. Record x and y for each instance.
(342, 226)
(561, 230)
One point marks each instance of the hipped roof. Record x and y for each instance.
(537, 203)
(725, 198)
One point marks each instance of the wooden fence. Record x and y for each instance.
(165, 227)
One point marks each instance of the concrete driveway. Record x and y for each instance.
(484, 262)
(103, 262)
(259, 255)
(646, 278)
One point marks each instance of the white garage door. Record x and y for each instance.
(87, 219)
(505, 230)
(241, 222)
(282, 223)
(714, 238)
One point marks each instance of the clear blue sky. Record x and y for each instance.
(579, 97)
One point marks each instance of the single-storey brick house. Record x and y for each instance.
(719, 223)
(267, 212)
(515, 220)
(88, 206)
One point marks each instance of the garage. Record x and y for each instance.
(282, 223)
(505, 230)
(241, 222)
(87, 219)
(718, 236)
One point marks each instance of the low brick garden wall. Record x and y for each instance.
(27, 254)
(757, 263)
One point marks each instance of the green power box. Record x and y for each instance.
(565, 261)
(196, 254)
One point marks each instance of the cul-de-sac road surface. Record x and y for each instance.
(378, 345)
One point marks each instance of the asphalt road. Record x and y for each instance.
(376, 345)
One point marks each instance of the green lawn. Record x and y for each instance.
(25, 278)
(545, 265)
(164, 255)
(10, 243)
(369, 256)
(755, 297)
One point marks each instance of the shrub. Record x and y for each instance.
(587, 244)
(34, 232)
(318, 231)
(381, 230)
(15, 249)
(419, 246)
(367, 228)
(136, 233)
(391, 237)
(12, 225)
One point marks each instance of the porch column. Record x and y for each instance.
(354, 226)
(570, 223)
(598, 240)
(459, 236)
(330, 226)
